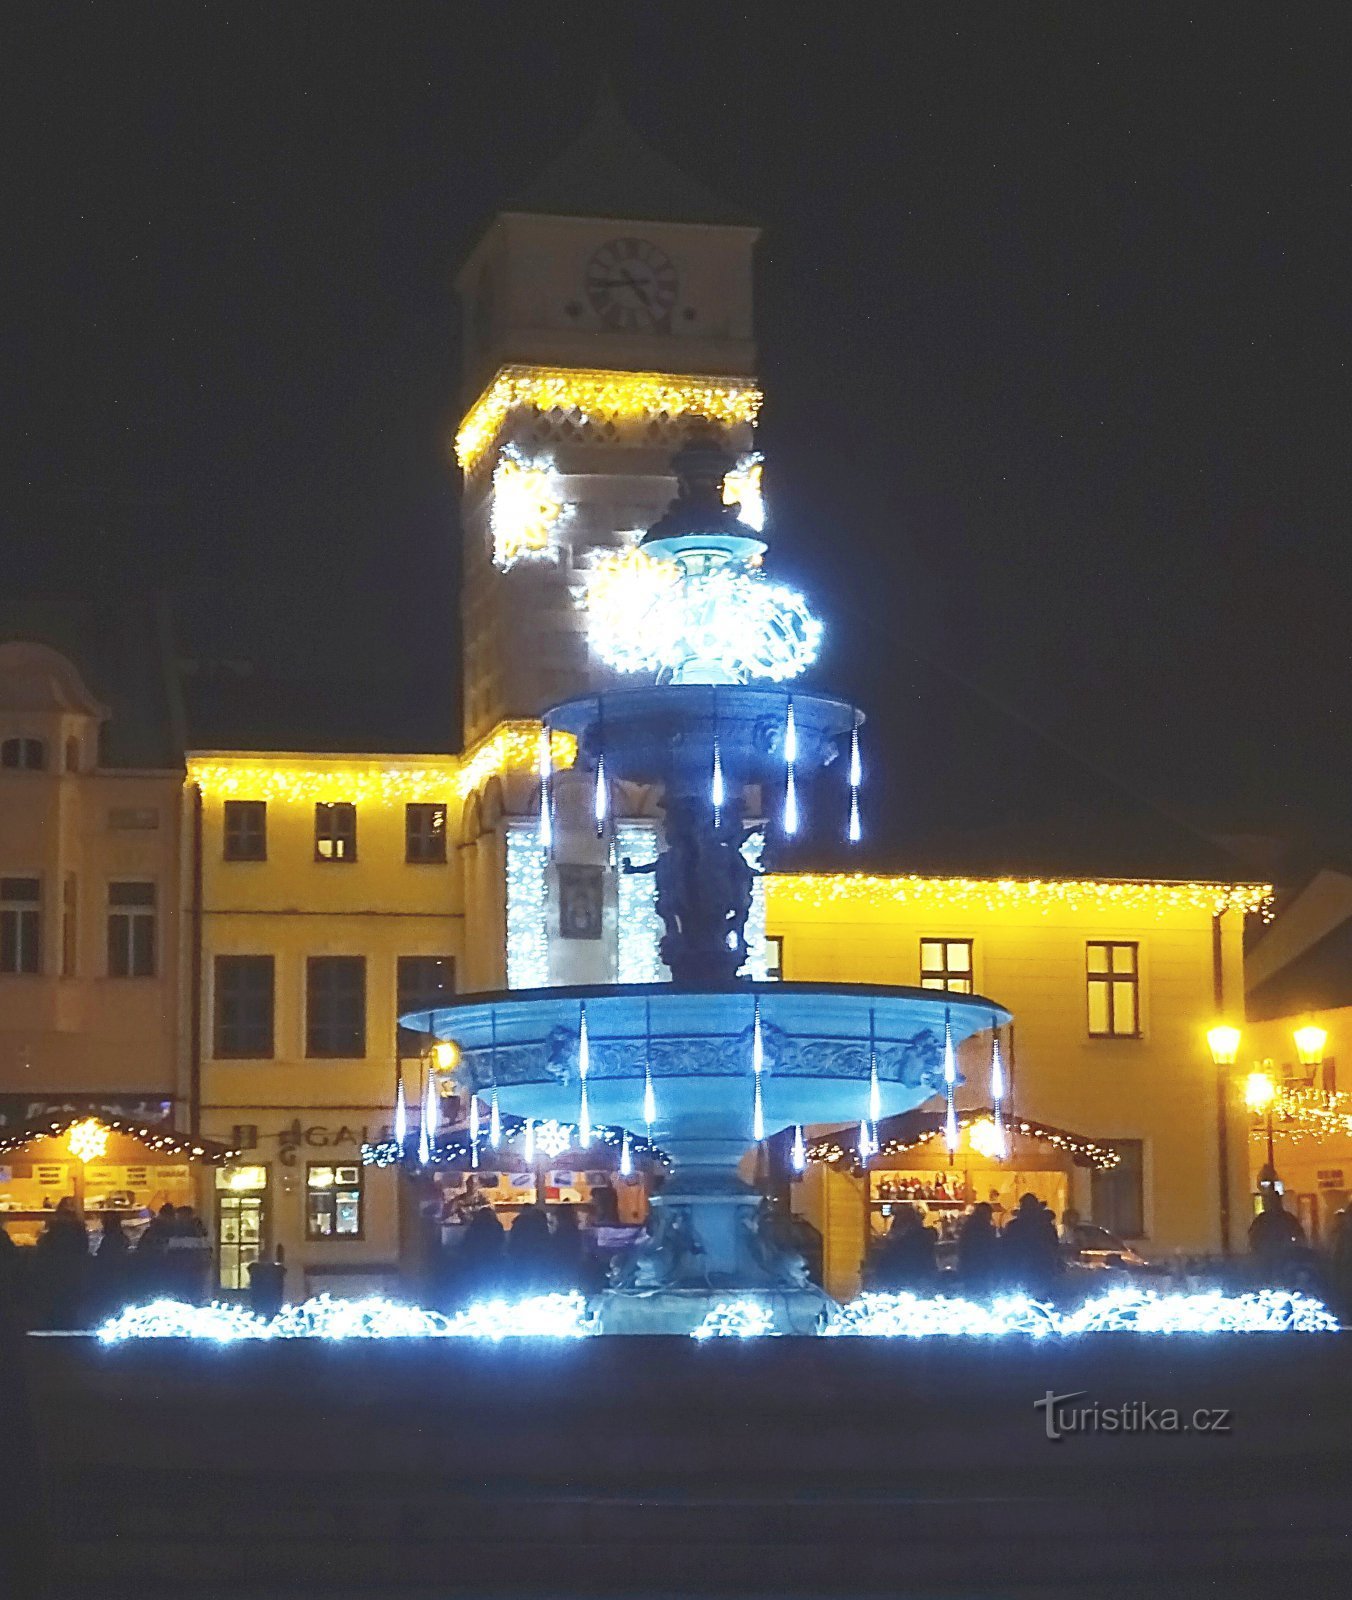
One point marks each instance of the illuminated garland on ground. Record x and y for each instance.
(924, 1126)
(864, 891)
(510, 747)
(875, 1316)
(153, 1138)
(599, 395)
(1119, 1310)
(552, 1137)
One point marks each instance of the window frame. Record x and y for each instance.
(332, 1190)
(136, 915)
(26, 938)
(330, 811)
(233, 838)
(966, 983)
(330, 963)
(1101, 1179)
(218, 970)
(433, 838)
(1110, 979)
(23, 745)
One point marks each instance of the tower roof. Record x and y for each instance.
(610, 171)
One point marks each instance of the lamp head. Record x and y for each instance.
(1310, 1041)
(1224, 1042)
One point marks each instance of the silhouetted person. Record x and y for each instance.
(1030, 1248)
(188, 1256)
(480, 1260)
(530, 1253)
(567, 1249)
(110, 1272)
(979, 1249)
(267, 1285)
(1276, 1239)
(906, 1258)
(62, 1263)
(151, 1268)
(11, 1271)
(1340, 1261)
(605, 1208)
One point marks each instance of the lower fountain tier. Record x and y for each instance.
(819, 1043)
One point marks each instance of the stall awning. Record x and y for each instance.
(164, 1141)
(897, 1135)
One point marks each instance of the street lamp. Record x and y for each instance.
(1224, 1042)
(1310, 1041)
(1259, 1094)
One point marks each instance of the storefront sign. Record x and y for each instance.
(319, 1136)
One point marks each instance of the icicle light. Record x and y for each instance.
(856, 778)
(546, 767)
(474, 1130)
(602, 799)
(757, 1067)
(790, 782)
(950, 1088)
(400, 1113)
(584, 1128)
(626, 1157)
(528, 1143)
(798, 1153)
(717, 794)
(494, 1122)
(1000, 1143)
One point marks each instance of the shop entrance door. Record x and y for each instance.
(241, 1236)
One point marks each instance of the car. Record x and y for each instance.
(1094, 1247)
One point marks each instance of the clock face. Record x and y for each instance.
(632, 286)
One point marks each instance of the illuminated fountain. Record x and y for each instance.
(707, 1066)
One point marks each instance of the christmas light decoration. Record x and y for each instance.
(638, 926)
(837, 1149)
(545, 767)
(865, 1144)
(282, 779)
(153, 1137)
(985, 1139)
(798, 1150)
(527, 898)
(757, 1068)
(584, 1128)
(596, 398)
(528, 1143)
(602, 798)
(717, 794)
(742, 487)
(790, 782)
(87, 1140)
(475, 1127)
(736, 1319)
(950, 1090)
(400, 1113)
(427, 1127)
(863, 892)
(494, 1122)
(997, 1087)
(626, 1157)
(526, 509)
(854, 830)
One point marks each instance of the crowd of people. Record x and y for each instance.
(69, 1281)
(544, 1251)
(1026, 1253)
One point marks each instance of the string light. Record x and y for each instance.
(757, 1067)
(546, 772)
(865, 1142)
(798, 1152)
(736, 1319)
(834, 1149)
(474, 1128)
(431, 1115)
(716, 791)
(527, 899)
(856, 778)
(597, 397)
(153, 1138)
(790, 783)
(602, 799)
(526, 509)
(865, 892)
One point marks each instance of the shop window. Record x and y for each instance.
(946, 964)
(335, 1006)
(20, 925)
(23, 755)
(244, 1007)
(246, 830)
(333, 1202)
(424, 833)
(336, 831)
(1113, 976)
(131, 930)
(1118, 1195)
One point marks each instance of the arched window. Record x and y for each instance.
(29, 755)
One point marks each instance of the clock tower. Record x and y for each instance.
(606, 309)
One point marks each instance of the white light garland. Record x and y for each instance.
(526, 510)
(736, 1319)
(527, 884)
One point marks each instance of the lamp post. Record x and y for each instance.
(1223, 1042)
(1259, 1094)
(1310, 1041)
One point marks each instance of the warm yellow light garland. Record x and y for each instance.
(510, 747)
(601, 394)
(861, 891)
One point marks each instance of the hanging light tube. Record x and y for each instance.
(950, 1086)
(798, 1154)
(790, 781)
(717, 793)
(546, 767)
(757, 1067)
(998, 1094)
(649, 1098)
(856, 778)
(584, 1128)
(400, 1113)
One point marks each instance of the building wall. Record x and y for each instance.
(1160, 1088)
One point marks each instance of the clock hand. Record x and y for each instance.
(635, 285)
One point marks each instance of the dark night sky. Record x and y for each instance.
(1052, 307)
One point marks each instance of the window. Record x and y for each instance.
(69, 924)
(246, 830)
(26, 755)
(424, 833)
(1118, 1195)
(335, 1006)
(1114, 990)
(20, 925)
(332, 1202)
(336, 831)
(946, 964)
(424, 982)
(244, 1006)
(131, 930)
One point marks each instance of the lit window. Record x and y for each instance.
(946, 964)
(23, 755)
(246, 830)
(774, 955)
(131, 930)
(244, 1007)
(335, 1009)
(336, 831)
(1113, 975)
(20, 926)
(424, 833)
(333, 1202)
